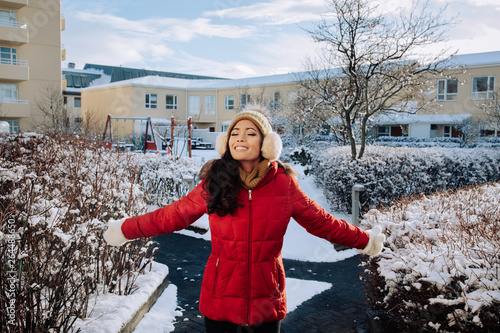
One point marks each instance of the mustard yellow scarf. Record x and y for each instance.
(250, 180)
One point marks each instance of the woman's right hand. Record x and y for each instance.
(114, 235)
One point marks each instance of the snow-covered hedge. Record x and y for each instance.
(440, 270)
(56, 194)
(163, 178)
(401, 141)
(391, 173)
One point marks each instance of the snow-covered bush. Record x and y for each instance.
(56, 194)
(303, 156)
(392, 173)
(162, 177)
(440, 270)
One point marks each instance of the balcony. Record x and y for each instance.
(13, 3)
(15, 108)
(14, 33)
(14, 70)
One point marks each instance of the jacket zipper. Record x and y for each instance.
(249, 256)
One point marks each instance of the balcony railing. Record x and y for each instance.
(14, 62)
(13, 24)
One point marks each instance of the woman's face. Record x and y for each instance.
(245, 142)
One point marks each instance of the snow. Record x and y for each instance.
(111, 311)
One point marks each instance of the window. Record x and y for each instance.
(78, 102)
(447, 131)
(229, 102)
(384, 131)
(194, 105)
(483, 87)
(77, 82)
(244, 100)
(8, 56)
(447, 90)
(209, 107)
(69, 80)
(8, 18)
(274, 100)
(171, 102)
(151, 101)
(292, 97)
(85, 81)
(13, 125)
(8, 93)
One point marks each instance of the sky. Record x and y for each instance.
(233, 38)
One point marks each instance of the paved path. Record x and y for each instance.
(340, 309)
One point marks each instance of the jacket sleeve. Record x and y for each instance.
(317, 221)
(174, 217)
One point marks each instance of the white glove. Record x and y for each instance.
(376, 242)
(114, 235)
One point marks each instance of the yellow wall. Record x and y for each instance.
(42, 50)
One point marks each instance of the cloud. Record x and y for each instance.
(477, 3)
(171, 29)
(276, 12)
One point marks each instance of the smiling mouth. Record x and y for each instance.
(240, 148)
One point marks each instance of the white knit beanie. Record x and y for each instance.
(271, 144)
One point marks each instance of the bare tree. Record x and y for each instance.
(50, 103)
(374, 61)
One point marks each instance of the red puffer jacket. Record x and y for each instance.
(244, 279)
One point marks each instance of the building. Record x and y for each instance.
(212, 103)
(96, 75)
(30, 46)
(472, 82)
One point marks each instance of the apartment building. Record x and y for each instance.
(30, 59)
(458, 96)
(212, 103)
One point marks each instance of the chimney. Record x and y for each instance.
(71, 65)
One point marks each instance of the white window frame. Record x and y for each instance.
(151, 101)
(244, 100)
(9, 18)
(174, 105)
(229, 102)
(194, 105)
(209, 105)
(485, 94)
(8, 55)
(13, 126)
(442, 90)
(274, 100)
(9, 93)
(446, 131)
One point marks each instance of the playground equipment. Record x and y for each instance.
(148, 145)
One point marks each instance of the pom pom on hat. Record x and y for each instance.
(271, 144)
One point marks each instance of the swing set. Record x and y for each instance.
(148, 145)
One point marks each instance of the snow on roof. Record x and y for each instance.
(398, 119)
(477, 59)
(469, 60)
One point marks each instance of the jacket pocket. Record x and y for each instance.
(216, 276)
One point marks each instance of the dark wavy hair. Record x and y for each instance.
(222, 185)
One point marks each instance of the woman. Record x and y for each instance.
(250, 198)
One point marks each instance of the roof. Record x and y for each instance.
(167, 80)
(484, 59)
(119, 73)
